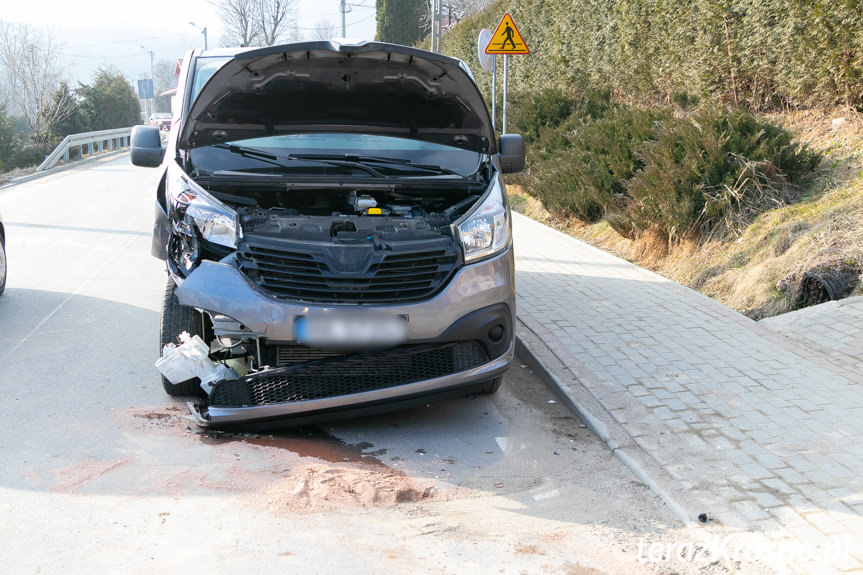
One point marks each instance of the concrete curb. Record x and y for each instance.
(63, 168)
(533, 352)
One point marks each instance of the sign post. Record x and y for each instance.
(505, 40)
(145, 92)
(494, 93)
(487, 61)
(505, 76)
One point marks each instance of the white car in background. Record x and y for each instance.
(161, 120)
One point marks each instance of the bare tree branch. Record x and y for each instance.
(239, 19)
(165, 79)
(454, 11)
(463, 8)
(256, 22)
(276, 20)
(32, 73)
(325, 30)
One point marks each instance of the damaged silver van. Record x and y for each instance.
(336, 232)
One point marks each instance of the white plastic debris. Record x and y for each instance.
(191, 359)
(222, 372)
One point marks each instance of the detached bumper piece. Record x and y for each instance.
(348, 375)
(345, 382)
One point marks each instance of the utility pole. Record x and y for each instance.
(343, 8)
(436, 9)
(433, 12)
(203, 31)
(439, 24)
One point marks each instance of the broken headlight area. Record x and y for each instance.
(198, 221)
(184, 251)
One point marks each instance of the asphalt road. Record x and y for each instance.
(102, 472)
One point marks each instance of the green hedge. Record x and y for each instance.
(681, 173)
(714, 168)
(783, 52)
(28, 157)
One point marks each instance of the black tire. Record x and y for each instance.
(2, 266)
(491, 386)
(176, 319)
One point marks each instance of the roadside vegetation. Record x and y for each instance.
(108, 102)
(718, 143)
(38, 108)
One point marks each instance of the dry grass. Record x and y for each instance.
(758, 272)
(6, 177)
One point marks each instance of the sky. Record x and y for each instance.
(96, 33)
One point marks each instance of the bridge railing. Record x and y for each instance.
(93, 142)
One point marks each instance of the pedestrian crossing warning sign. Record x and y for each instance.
(506, 39)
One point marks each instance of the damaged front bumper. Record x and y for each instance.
(360, 384)
(456, 343)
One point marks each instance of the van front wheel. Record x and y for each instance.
(176, 319)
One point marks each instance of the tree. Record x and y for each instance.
(238, 20)
(164, 76)
(402, 21)
(164, 80)
(461, 9)
(32, 74)
(110, 102)
(276, 20)
(9, 144)
(324, 30)
(256, 22)
(454, 11)
(75, 122)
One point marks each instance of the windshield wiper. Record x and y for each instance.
(338, 160)
(246, 152)
(273, 159)
(364, 160)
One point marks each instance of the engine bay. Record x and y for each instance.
(354, 214)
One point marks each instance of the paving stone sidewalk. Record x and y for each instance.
(834, 329)
(761, 431)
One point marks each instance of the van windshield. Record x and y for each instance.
(334, 146)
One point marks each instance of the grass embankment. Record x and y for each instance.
(662, 170)
(757, 268)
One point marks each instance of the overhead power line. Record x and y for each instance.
(131, 41)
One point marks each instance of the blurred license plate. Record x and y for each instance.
(350, 330)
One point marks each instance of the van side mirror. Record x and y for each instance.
(512, 154)
(145, 146)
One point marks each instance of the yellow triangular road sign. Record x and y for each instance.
(506, 39)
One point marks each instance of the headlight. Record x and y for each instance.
(486, 230)
(190, 204)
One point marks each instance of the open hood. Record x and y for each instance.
(369, 88)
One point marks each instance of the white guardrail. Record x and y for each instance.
(94, 142)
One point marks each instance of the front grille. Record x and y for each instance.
(295, 354)
(389, 276)
(349, 374)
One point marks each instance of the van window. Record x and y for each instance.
(205, 67)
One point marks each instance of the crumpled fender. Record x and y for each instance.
(221, 288)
